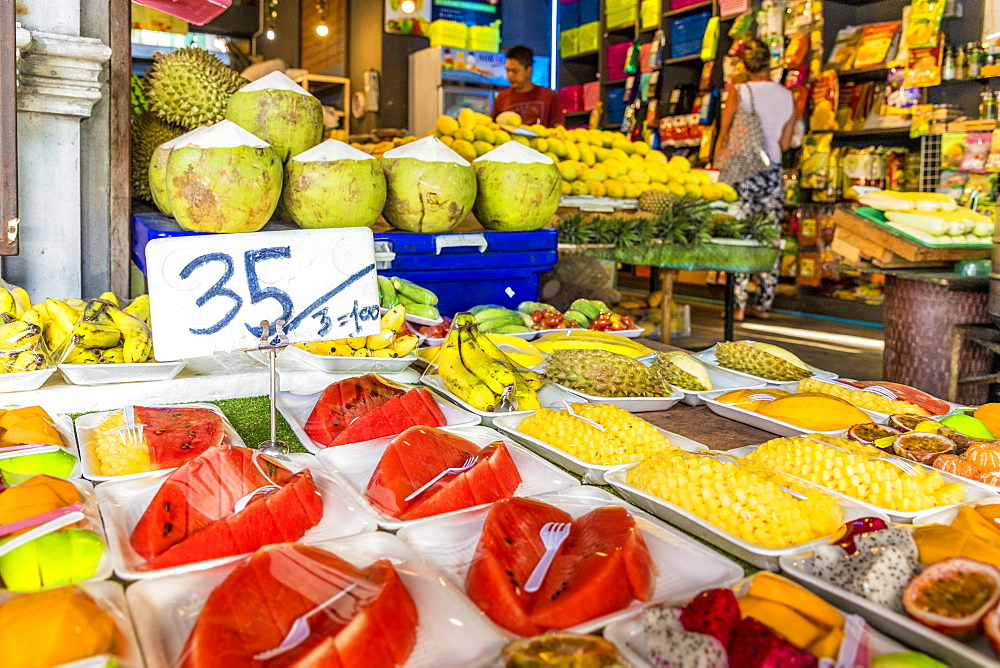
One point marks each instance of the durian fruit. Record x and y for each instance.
(138, 95)
(190, 87)
(761, 359)
(602, 373)
(682, 370)
(148, 132)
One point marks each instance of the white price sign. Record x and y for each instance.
(209, 293)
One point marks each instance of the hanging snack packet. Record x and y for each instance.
(815, 159)
(824, 97)
(864, 172)
(798, 16)
(710, 42)
(741, 25)
(923, 65)
(979, 192)
(920, 121)
(831, 191)
(993, 159)
(796, 50)
(952, 182)
(924, 23)
(977, 148)
(898, 100)
(776, 45)
(895, 168)
(845, 48)
(952, 149)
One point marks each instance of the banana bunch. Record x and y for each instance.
(21, 347)
(395, 340)
(101, 332)
(476, 371)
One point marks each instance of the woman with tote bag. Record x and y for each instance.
(756, 126)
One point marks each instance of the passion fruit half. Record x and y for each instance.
(906, 421)
(953, 596)
(991, 624)
(923, 447)
(562, 650)
(869, 432)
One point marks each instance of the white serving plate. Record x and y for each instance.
(24, 381)
(416, 319)
(354, 464)
(98, 374)
(124, 502)
(297, 407)
(86, 423)
(630, 637)
(64, 425)
(684, 566)
(548, 394)
(762, 557)
(765, 423)
(352, 365)
(451, 631)
(722, 379)
(631, 404)
(954, 652)
(109, 597)
(94, 523)
(708, 357)
(627, 333)
(591, 473)
(972, 492)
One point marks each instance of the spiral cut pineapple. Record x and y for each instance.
(625, 438)
(850, 468)
(745, 500)
(862, 399)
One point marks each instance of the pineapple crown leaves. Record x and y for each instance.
(684, 220)
(761, 228)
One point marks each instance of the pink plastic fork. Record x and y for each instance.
(553, 535)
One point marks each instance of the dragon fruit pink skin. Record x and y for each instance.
(669, 645)
(858, 527)
(714, 612)
(754, 645)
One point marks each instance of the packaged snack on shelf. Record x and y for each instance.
(993, 159)
(951, 182)
(815, 159)
(920, 124)
(977, 148)
(824, 96)
(863, 172)
(898, 100)
(877, 41)
(798, 16)
(845, 48)
(793, 191)
(979, 193)
(924, 23)
(832, 189)
(952, 150)
(795, 52)
(895, 167)
(924, 65)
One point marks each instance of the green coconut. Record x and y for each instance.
(158, 170)
(223, 179)
(519, 188)
(430, 188)
(333, 185)
(280, 112)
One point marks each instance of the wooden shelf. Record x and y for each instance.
(615, 82)
(707, 4)
(695, 57)
(581, 56)
(978, 80)
(895, 132)
(872, 73)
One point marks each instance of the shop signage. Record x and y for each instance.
(469, 12)
(209, 293)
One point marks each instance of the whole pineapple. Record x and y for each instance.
(602, 373)
(148, 132)
(762, 360)
(655, 201)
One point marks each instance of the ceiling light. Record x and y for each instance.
(269, 34)
(408, 6)
(322, 30)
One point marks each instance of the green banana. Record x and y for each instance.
(92, 335)
(19, 335)
(489, 370)
(61, 321)
(413, 292)
(83, 356)
(139, 308)
(462, 382)
(422, 311)
(137, 342)
(386, 293)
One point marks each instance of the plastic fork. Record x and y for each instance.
(568, 407)
(875, 389)
(242, 503)
(131, 433)
(12, 451)
(300, 627)
(466, 465)
(732, 460)
(553, 535)
(907, 467)
(56, 519)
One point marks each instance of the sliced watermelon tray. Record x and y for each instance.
(364, 408)
(388, 476)
(228, 501)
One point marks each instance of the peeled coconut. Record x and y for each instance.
(280, 112)
(223, 179)
(430, 187)
(333, 185)
(158, 170)
(519, 188)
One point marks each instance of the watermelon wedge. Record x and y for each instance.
(601, 566)
(373, 623)
(176, 434)
(345, 401)
(394, 417)
(191, 517)
(419, 455)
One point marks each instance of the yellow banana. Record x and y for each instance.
(531, 380)
(114, 355)
(405, 344)
(92, 335)
(76, 303)
(362, 352)
(383, 339)
(22, 302)
(384, 352)
(7, 303)
(394, 319)
(62, 319)
(462, 382)
(356, 342)
(34, 317)
(139, 308)
(110, 297)
(491, 371)
(83, 356)
(28, 361)
(19, 335)
(137, 342)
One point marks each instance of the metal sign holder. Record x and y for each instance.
(271, 350)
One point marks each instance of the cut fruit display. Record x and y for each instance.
(353, 616)
(426, 471)
(227, 501)
(369, 407)
(601, 567)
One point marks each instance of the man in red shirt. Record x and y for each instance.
(533, 103)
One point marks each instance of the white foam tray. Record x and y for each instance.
(765, 423)
(722, 379)
(354, 464)
(297, 407)
(99, 374)
(451, 631)
(631, 404)
(124, 502)
(353, 365)
(548, 394)
(684, 566)
(25, 381)
(762, 557)
(708, 357)
(87, 423)
(591, 473)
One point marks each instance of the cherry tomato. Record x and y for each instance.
(618, 326)
(537, 316)
(629, 322)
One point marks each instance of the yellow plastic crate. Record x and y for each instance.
(649, 13)
(620, 18)
(617, 6)
(486, 34)
(588, 37)
(448, 33)
(569, 42)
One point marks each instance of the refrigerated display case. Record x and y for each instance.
(444, 80)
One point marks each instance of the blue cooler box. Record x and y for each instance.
(464, 270)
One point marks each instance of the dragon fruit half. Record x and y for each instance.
(754, 645)
(882, 566)
(714, 612)
(670, 645)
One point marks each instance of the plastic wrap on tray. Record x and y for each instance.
(102, 333)
(291, 602)
(31, 443)
(50, 533)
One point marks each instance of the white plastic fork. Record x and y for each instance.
(242, 503)
(63, 517)
(299, 630)
(553, 534)
(875, 389)
(568, 407)
(466, 465)
(131, 433)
